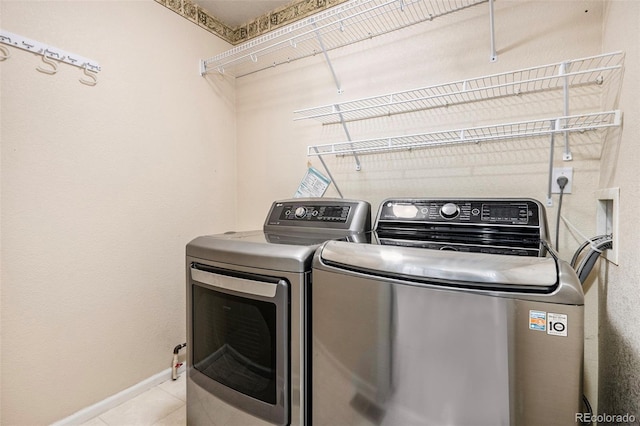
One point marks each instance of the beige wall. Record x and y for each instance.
(272, 147)
(102, 187)
(445, 50)
(619, 285)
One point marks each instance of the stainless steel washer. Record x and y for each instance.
(457, 314)
(247, 353)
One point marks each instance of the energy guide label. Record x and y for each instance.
(557, 324)
(554, 324)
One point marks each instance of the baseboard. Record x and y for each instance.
(113, 401)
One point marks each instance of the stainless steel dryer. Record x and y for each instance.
(247, 317)
(457, 314)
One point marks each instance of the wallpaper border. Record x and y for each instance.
(277, 18)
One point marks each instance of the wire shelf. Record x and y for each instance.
(347, 23)
(532, 128)
(573, 73)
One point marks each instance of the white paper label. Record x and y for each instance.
(557, 324)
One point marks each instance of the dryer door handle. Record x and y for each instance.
(241, 285)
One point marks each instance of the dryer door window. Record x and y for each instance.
(235, 342)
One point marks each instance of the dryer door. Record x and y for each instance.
(239, 339)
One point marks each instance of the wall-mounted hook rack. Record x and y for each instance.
(6, 54)
(52, 64)
(93, 79)
(24, 43)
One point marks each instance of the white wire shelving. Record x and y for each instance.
(558, 76)
(563, 77)
(339, 26)
(522, 129)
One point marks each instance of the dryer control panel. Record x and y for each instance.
(334, 213)
(319, 214)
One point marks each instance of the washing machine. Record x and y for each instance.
(247, 347)
(457, 313)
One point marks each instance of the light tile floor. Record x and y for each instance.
(163, 405)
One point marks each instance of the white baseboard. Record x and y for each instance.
(113, 401)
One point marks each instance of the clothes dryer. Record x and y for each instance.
(247, 348)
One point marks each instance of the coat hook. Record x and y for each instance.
(48, 61)
(92, 75)
(6, 54)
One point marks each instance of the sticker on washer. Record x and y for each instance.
(537, 320)
(557, 324)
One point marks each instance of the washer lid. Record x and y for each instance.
(478, 271)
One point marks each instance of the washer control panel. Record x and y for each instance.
(503, 212)
(506, 226)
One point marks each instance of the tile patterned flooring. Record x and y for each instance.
(163, 405)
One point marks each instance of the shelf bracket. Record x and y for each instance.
(326, 57)
(337, 107)
(551, 147)
(563, 70)
(326, 169)
(494, 54)
(346, 131)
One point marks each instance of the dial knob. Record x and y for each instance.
(449, 211)
(300, 212)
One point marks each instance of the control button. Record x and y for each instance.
(475, 212)
(300, 212)
(314, 213)
(449, 211)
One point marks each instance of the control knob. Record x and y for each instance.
(449, 211)
(300, 212)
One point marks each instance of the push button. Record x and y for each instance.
(449, 211)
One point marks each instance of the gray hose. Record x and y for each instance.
(589, 260)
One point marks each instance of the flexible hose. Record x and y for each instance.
(587, 405)
(597, 244)
(587, 243)
(589, 260)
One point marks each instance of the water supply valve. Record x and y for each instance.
(176, 365)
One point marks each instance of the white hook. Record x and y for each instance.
(6, 54)
(48, 61)
(92, 75)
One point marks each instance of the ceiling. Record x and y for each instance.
(235, 13)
